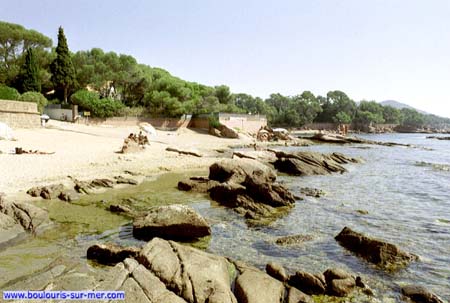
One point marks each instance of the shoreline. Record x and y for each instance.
(87, 152)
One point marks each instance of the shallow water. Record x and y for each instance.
(404, 191)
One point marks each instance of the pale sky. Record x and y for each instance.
(373, 50)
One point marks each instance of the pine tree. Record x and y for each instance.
(29, 75)
(63, 72)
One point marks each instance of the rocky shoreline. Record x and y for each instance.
(167, 271)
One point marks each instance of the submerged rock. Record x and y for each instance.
(420, 294)
(312, 192)
(110, 253)
(375, 251)
(170, 222)
(293, 240)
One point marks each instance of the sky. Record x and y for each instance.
(370, 49)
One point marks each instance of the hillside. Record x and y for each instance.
(400, 105)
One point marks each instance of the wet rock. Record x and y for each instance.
(260, 155)
(341, 287)
(293, 240)
(197, 184)
(382, 253)
(170, 222)
(312, 192)
(121, 209)
(194, 275)
(296, 296)
(362, 211)
(277, 271)
(307, 283)
(254, 286)
(311, 163)
(123, 180)
(336, 273)
(110, 253)
(420, 294)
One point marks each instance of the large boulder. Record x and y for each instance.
(228, 132)
(254, 286)
(110, 253)
(170, 222)
(308, 283)
(420, 294)
(236, 170)
(277, 271)
(375, 251)
(297, 296)
(194, 275)
(311, 163)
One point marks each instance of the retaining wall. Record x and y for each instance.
(18, 114)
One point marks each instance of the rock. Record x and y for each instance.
(311, 163)
(170, 222)
(122, 209)
(123, 180)
(277, 271)
(420, 294)
(67, 196)
(341, 287)
(312, 192)
(384, 254)
(30, 217)
(307, 283)
(272, 194)
(102, 183)
(49, 192)
(336, 273)
(254, 286)
(185, 152)
(215, 132)
(236, 170)
(228, 132)
(260, 155)
(362, 211)
(197, 184)
(296, 296)
(293, 240)
(111, 253)
(194, 275)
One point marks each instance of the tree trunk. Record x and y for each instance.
(65, 94)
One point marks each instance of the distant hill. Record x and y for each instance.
(400, 105)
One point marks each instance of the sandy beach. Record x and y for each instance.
(87, 152)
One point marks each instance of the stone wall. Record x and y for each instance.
(247, 123)
(18, 114)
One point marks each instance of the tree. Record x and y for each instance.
(63, 72)
(29, 75)
(14, 41)
(392, 115)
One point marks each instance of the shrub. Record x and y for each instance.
(101, 108)
(8, 93)
(213, 121)
(36, 98)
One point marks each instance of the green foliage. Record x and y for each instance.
(293, 111)
(29, 76)
(412, 118)
(14, 41)
(63, 72)
(8, 93)
(342, 117)
(101, 108)
(392, 115)
(369, 113)
(213, 121)
(35, 97)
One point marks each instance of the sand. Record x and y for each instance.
(86, 152)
